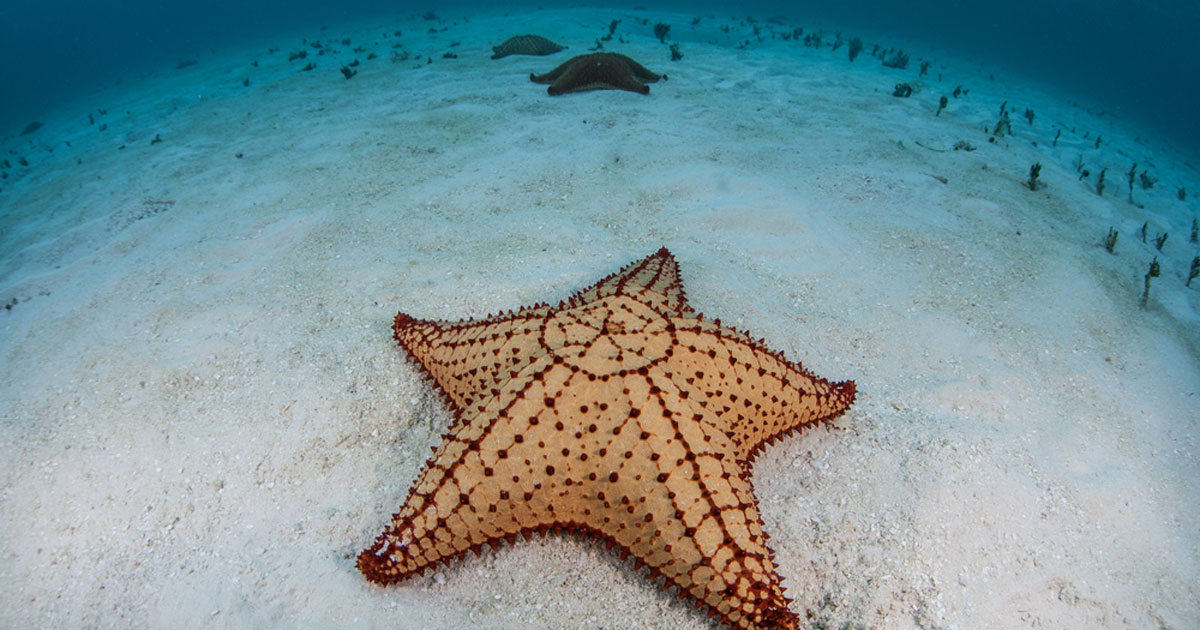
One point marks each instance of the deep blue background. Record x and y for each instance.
(1139, 60)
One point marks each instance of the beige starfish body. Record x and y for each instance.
(526, 45)
(621, 414)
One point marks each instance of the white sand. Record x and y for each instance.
(205, 417)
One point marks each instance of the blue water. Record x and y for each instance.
(1137, 61)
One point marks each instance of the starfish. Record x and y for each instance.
(598, 71)
(619, 414)
(525, 45)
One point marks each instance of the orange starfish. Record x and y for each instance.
(621, 414)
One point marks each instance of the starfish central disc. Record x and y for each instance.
(617, 333)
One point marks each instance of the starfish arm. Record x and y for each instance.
(668, 494)
(641, 71)
(754, 395)
(625, 81)
(484, 483)
(696, 524)
(552, 76)
(457, 504)
(654, 281)
(493, 478)
(469, 360)
(697, 528)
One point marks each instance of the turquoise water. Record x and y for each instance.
(1136, 61)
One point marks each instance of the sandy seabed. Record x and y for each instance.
(205, 418)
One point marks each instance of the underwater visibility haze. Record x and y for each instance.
(1137, 59)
